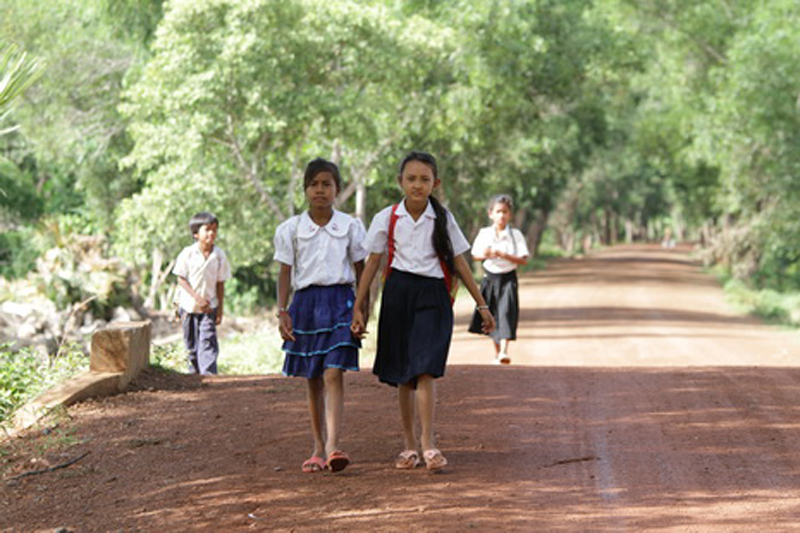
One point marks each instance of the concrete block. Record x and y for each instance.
(119, 353)
(82, 387)
(122, 347)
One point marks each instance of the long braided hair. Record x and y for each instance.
(441, 238)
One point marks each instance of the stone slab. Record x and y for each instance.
(121, 347)
(119, 353)
(82, 387)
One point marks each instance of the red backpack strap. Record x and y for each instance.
(390, 241)
(449, 279)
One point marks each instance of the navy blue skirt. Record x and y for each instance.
(414, 329)
(321, 318)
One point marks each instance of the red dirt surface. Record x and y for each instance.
(637, 400)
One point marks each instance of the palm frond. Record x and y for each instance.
(18, 71)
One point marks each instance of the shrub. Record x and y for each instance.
(26, 373)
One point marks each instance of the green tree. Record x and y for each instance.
(72, 134)
(532, 73)
(239, 95)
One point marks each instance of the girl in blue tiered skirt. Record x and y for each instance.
(321, 257)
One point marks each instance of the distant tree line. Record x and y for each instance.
(607, 120)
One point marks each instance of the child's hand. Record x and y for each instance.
(358, 327)
(218, 318)
(488, 321)
(285, 326)
(203, 305)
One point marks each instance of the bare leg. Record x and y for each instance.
(504, 345)
(405, 395)
(426, 405)
(504, 357)
(496, 348)
(334, 407)
(316, 389)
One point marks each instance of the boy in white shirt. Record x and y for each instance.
(202, 270)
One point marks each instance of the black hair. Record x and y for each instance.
(200, 220)
(441, 238)
(322, 165)
(505, 199)
(501, 199)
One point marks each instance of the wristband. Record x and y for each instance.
(281, 311)
(481, 307)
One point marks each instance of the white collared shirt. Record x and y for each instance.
(413, 251)
(320, 255)
(203, 273)
(489, 238)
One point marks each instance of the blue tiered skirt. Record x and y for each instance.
(321, 317)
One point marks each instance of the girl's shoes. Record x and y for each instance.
(407, 460)
(338, 460)
(314, 464)
(434, 460)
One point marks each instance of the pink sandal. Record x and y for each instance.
(434, 460)
(407, 460)
(314, 464)
(338, 460)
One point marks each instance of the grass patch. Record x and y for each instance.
(781, 308)
(257, 352)
(249, 353)
(25, 373)
(169, 357)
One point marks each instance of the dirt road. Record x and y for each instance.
(638, 400)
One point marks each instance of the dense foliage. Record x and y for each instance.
(25, 373)
(607, 120)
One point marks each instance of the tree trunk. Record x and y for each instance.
(607, 227)
(157, 258)
(296, 177)
(569, 242)
(158, 277)
(361, 201)
(536, 230)
(706, 234)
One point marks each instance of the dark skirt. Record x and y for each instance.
(502, 296)
(414, 329)
(321, 318)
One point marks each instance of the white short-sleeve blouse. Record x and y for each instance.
(510, 241)
(414, 251)
(320, 255)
